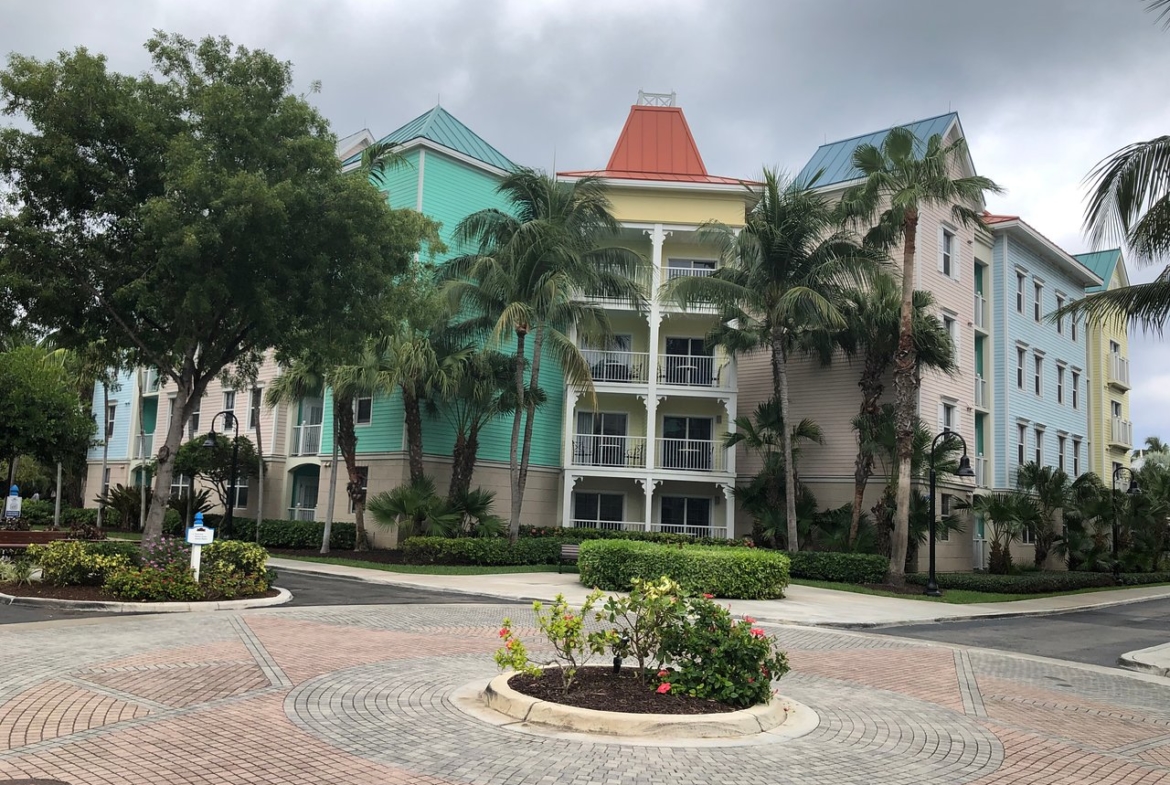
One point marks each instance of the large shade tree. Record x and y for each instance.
(902, 177)
(192, 216)
(781, 278)
(522, 285)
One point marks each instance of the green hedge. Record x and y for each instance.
(839, 567)
(487, 551)
(1024, 583)
(1144, 578)
(582, 534)
(275, 533)
(735, 573)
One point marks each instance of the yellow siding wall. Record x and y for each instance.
(1102, 395)
(683, 207)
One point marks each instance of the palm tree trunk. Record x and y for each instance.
(871, 393)
(463, 459)
(347, 444)
(778, 350)
(105, 450)
(533, 386)
(414, 447)
(905, 401)
(514, 457)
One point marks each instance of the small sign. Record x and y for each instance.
(200, 535)
(12, 507)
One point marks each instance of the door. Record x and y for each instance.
(601, 439)
(689, 362)
(598, 510)
(305, 496)
(686, 515)
(687, 444)
(612, 365)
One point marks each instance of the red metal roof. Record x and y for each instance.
(656, 144)
(988, 218)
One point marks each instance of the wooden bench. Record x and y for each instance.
(19, 541)
(569, 554)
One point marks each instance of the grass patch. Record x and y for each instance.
(955, 596)
(429, 569)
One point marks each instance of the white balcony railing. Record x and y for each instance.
(693, 531)
(1122, 432)
(981, 472)
(689, 370)
(689, 455)
(302, 513)
(636, 526)
(306, 439)
(982, 393)
(1118, 370)
(981, 315)
(617, 451)
(642, 277)
(617, 367)
(670, 273)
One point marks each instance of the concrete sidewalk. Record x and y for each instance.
(801, 604)
(1155, 659)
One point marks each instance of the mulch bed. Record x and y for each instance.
(601, 689)
(374, 556)
(87, 593)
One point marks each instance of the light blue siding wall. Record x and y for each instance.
(1002, 298)
(121, 396)
(1015, 329)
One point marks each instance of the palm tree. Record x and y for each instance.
(1051, 489)
(524, 280)
(1006, 515)
(781, 279)
(902, 177)
(1155, 444)
(873, 317)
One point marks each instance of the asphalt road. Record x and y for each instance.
(1097, 637)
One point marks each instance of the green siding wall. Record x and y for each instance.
(383, 434)
(402, 182)
(149, 414)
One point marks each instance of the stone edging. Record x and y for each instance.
(283, 596)
(779, 717)
(1155, 660)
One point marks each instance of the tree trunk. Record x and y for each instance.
(347, 444)
(414, 446)
(786, 442)
(533, 386)
(11, 473)
(514, 456)
(463, 459)
(260, 479)
(327, 532)
(186, 391)
(905, 402)
(105, 450)
(871, 394)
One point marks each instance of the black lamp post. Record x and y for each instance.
(964, 470)
(229, 419)
(1132, 490)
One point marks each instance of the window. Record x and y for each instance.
(1020, 280)
(596, 510)
(1028, 535)
(687, 443)
(688, 361)
(1116, 407)
(254, 409)
(1076, 384)
(601, 440)
(952, 328)
(1113, 475)
(947, 417)
(180, 484)
(105, 482)
(1039, 376)
(111, 411)
(1060, 444)
(1039, 446)
(1021, 443)
(240, 499)
(946, 249)
(1072, 326)
(1038, 305)
(1021, 356)
(945, 510)
(1060, 320)
(364, 473)
(229, 402)
(686, 514)
(363, 411)
(1076, 462)
(678, 268)
(193, 423)
(1060, 384)
(1114, 347)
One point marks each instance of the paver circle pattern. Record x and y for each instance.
(365, 695)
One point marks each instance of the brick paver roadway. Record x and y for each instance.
(363, 695)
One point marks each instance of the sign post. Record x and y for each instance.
(198, 536)
(12, 503)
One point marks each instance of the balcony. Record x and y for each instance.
(306, 439)
(689, 455)
(981, 476)
(1122, 433)
(688, 370)
(693, 531)
(617, 367)
(622, 452)
(1118, 371)
(982, 313)
(982, 393)
(620, 526)
(670, 273)
(642, 277)
(302, 513)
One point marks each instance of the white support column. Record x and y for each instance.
(571, 481)
(729, 509)
(654, 320)
(729, 407)
(570, 425)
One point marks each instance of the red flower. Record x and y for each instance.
(663, 688)
(504, 632)
(508, 644)
(749, 619)
(708, 596)
(757, 632)
(663, 672)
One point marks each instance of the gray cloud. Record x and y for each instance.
(1045, 87)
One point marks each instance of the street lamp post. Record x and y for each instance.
(1132, 490)
(229, 419)
(964, 470)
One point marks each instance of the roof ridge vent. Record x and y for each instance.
(656, 99)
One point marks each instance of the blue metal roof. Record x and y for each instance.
(440, 126)
(1102, 263)
(836, 158)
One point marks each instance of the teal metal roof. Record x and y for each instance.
(836, 158)
(440, 126)
(1102, 264)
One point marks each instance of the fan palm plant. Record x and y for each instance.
(1051, 489)
(781, 280)
(1006, 516)
(902, 176)
(415, 509)
(523, 283)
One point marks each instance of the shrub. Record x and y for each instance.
(642, 617)
(1144, 578)
(481, 550)
(131, 550)
(164, 552)
(565, 630)
(37, 513)
(73, 563)
(840, 567)
(294, 535)
(74, 517)
(582, 534)
(737, 573)
(244, 557)
(18, 571)
(1027, 583)
(174, 583)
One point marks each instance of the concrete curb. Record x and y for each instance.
(1155, 660)
(283, 596)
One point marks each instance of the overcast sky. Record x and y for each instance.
(1045, 88)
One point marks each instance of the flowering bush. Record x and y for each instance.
(163, 552)
(73, 563)
(172, 583)
(565, 630)
(642, 617)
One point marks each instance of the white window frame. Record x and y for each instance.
(1060, 369)
(255, 407)
(1061, 445)
(948, 252)
(687, 523)
(357, 405)
(180, 486)
(1038, 304)
(1072, 326)
(948, 406)
(1021, 443)
(106, 480)
(945, 505)
(1076, 456)
(1038, 374)
(193, 420)
(1021, 283)
(1060, 320)
(111, 417)
(1021, 366)
(1038, 453)
(599, 494)
(950, 322)
(1075, 381)
(235, 491)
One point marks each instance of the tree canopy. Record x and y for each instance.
(40, 413)
(214, 463)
